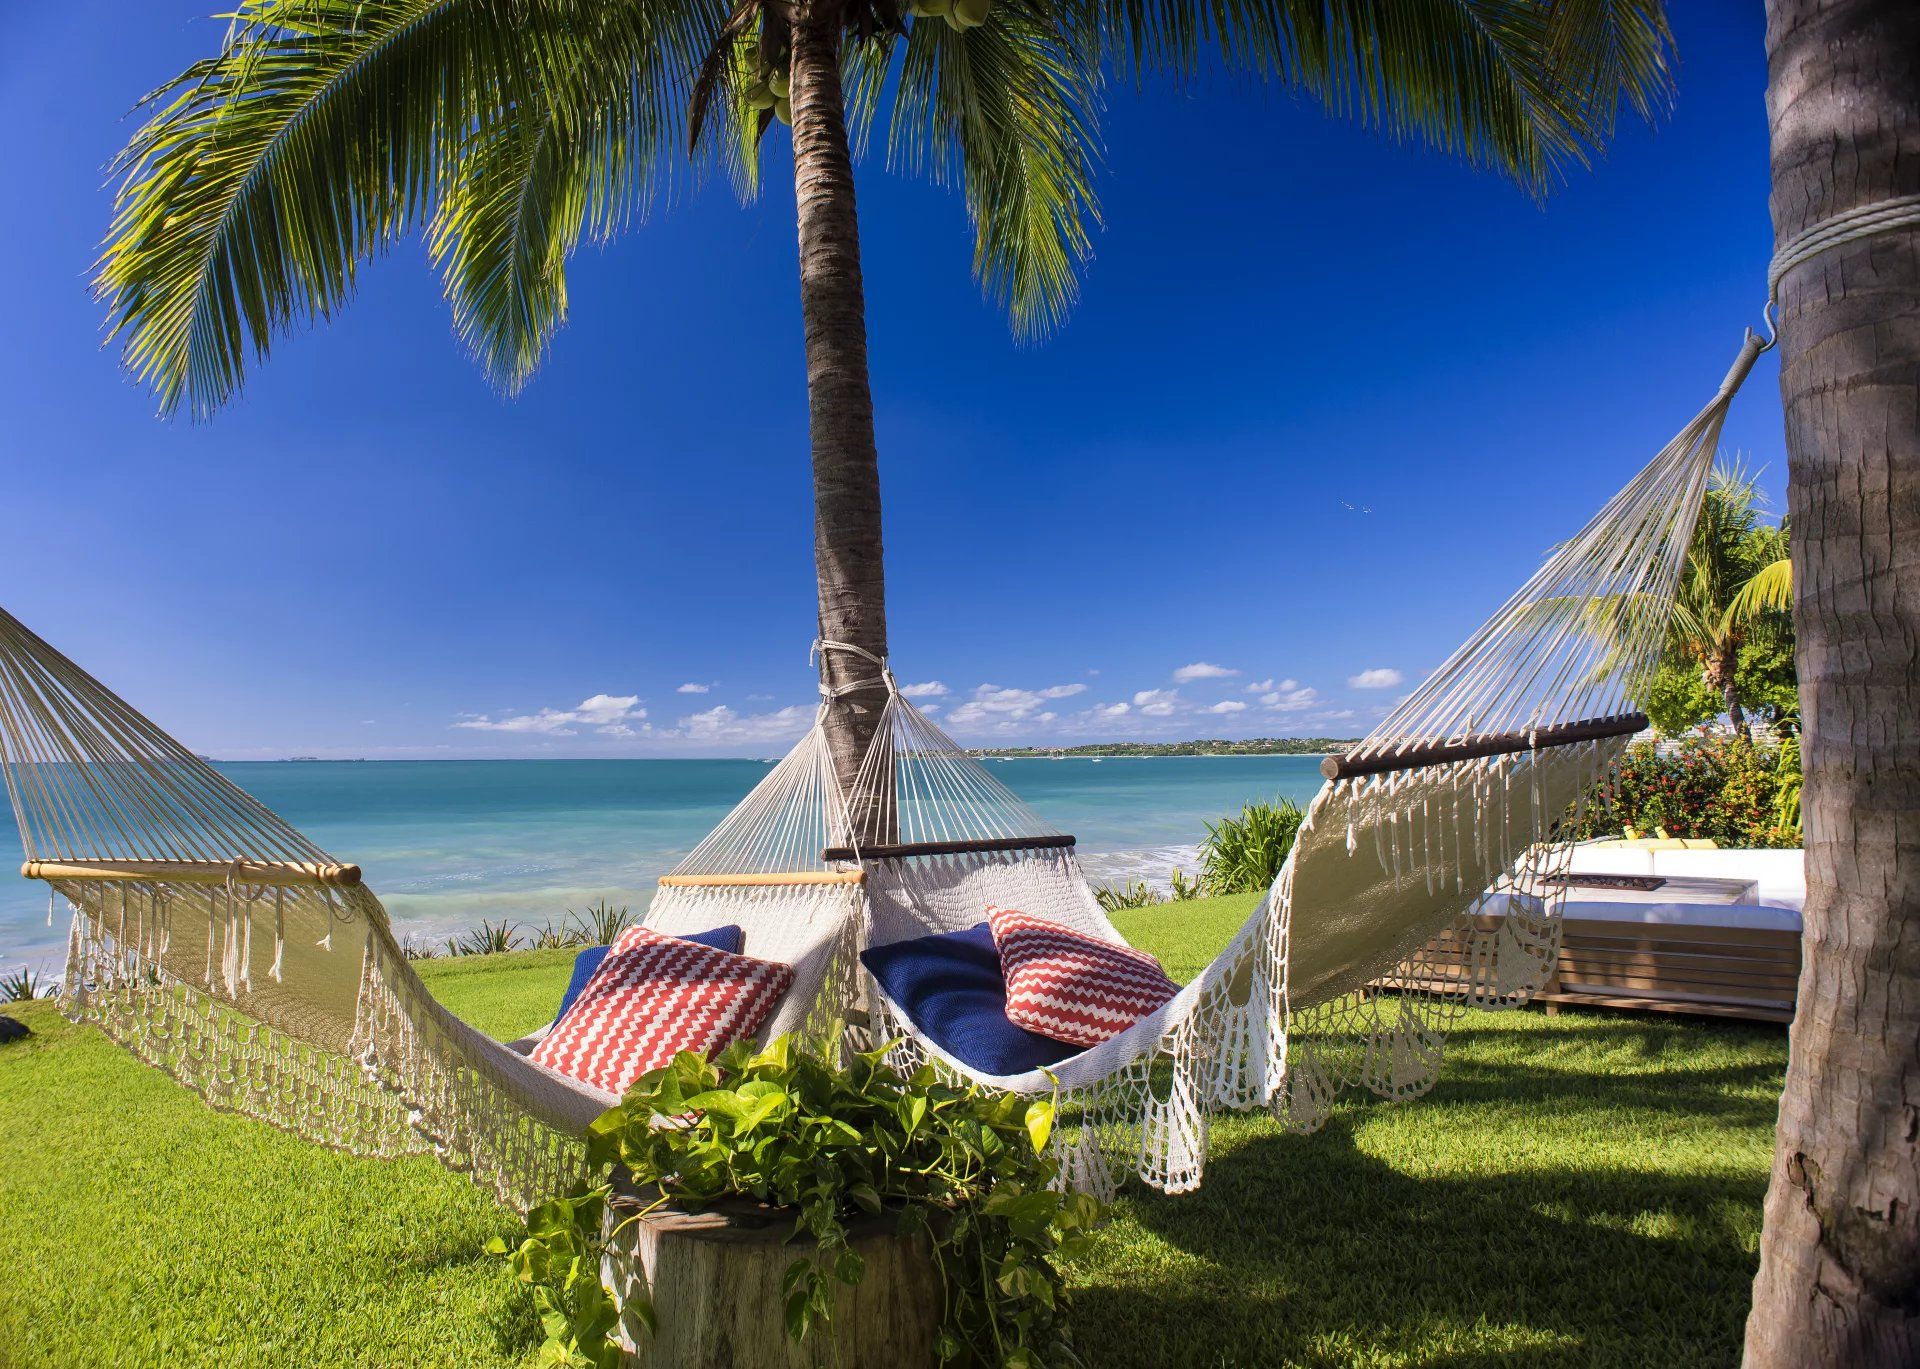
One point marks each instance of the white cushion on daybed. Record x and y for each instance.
(1780, 875)
(1750, 916)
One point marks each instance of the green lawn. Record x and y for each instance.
(1578, 1190)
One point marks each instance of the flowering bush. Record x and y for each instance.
(1727, 790)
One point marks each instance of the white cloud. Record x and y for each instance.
(694, 687)
(1289, 696)
(1260, 686)
(1382, 677)
(932, 689)
(722, 724)
(1119, 710)
(609, 714)
(929, 709)
(999, 704)
(1226, 706)
(1157, 703)
(1201, 670)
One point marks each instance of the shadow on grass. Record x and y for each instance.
(1520, 1222)
(1306, 1250)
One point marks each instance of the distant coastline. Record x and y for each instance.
(1253, 746)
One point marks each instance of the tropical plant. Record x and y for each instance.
(785, 1128)
(1712, 787)
(1182, 886)
(490, 938)
(414, 949)
(1838, 1280)
(23, 986)
(551, 937)
(600, 923)
(1244, 854)
(323, 131)
(1138, 894)
(1732, 588)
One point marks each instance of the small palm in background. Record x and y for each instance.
(1736, 587)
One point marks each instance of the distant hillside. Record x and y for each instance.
(1253, 746)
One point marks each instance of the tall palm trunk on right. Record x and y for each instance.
(1839, 1280)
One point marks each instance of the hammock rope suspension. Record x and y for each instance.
(1849, 225)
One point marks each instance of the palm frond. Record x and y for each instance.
(1011, 108)
(505, 227)
(267, 173)
(1769, 590)
(1526, 87)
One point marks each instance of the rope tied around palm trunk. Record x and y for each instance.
(1850, 225)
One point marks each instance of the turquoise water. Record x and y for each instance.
(446, 843)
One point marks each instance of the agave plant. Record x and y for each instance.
(601, 923)
(1244, 854)
(420, 950)
(23, 986)
(553, 938)
(490, 938)
(1139, 894)
(1182, 885)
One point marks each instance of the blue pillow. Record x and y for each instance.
(729, 938)
(950, 986)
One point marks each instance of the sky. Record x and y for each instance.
(1323, 404)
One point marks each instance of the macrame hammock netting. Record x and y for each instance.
(215, 942)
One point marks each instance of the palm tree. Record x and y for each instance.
(324, 130)
(1839, 1280)
(1733, 585)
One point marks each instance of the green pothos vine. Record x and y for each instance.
(787, 1129)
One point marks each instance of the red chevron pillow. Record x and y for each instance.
(653, 997)
(1070, 986)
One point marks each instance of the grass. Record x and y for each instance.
(1579, 1190)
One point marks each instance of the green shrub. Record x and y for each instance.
(788, 1129)
(554, 938)
(1183, 886)
(1244, 854)
(1677, 698)
(1139, 894)
(1723, 789)
(489, 938)
(23, 986)
(601, 923)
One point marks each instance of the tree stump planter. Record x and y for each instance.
(716, 1278)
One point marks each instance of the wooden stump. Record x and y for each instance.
(715, 1280)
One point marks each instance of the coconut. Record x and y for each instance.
(972, 13)
(780, 84)
(759, 96)
(783, 110)
(933, 9)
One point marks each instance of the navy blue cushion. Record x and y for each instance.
(950, 987)
(729, 938)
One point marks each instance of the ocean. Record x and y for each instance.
(447, 843)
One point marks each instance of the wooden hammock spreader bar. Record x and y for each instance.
(779, 878)
(275, 873)
(889, 850)
(1496, 744)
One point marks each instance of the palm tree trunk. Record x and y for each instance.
(1839, 1279)
(1730, 694)
(846, 473)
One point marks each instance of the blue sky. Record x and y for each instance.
(1323, 404)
